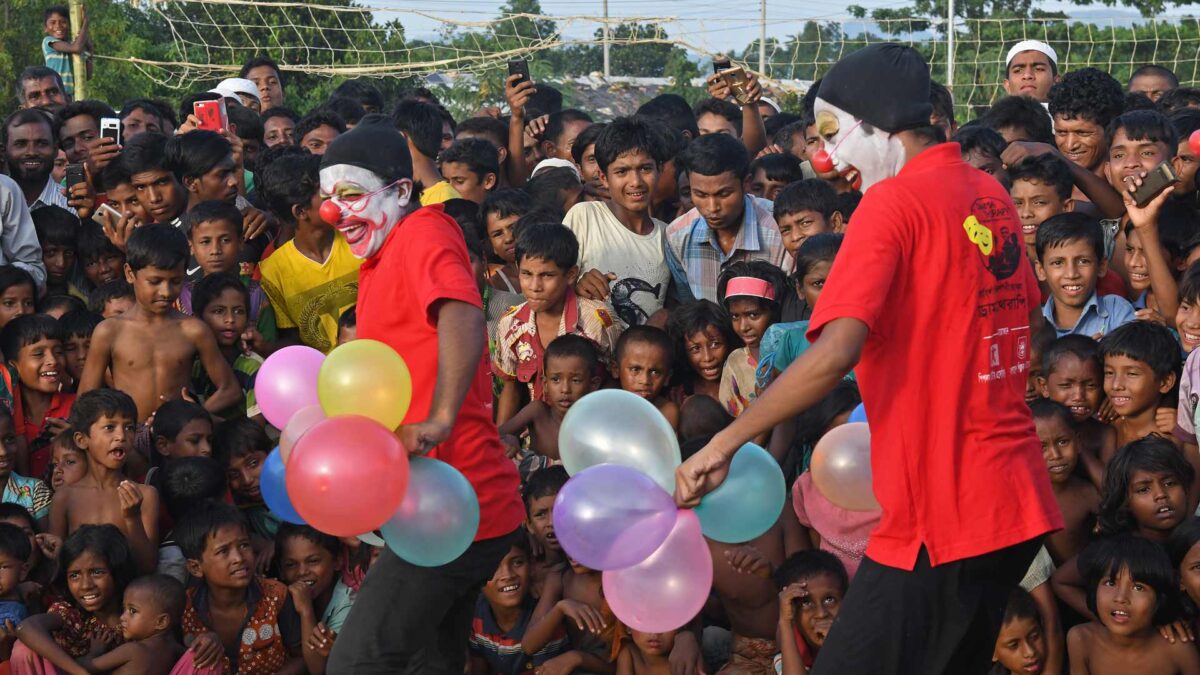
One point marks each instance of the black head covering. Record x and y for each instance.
(885, 84)
(375, 147)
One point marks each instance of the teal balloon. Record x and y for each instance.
(439, 517)
(750, 500)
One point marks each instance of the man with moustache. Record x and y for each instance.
(30, 145)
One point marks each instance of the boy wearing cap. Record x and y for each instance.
(1030, 69)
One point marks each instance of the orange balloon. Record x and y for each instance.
(841, 467)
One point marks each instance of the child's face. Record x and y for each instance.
(989, 164)
(227, 560)
(543, 283)
(1071, 270)
(26, 525)
(707, 351)
(567, 380)
(644, 368)
(215, 245)
(816, 612)
(42, 365)
(117, 306)
(1033, 381)
(750, 318)
(347, 334)
(1075, 383)
(302, 559)
(193, 440)
(813, 281)
(15, 301)
(141, 615)
(466, 182)
(8, 447)
(58, 26)
(500, 234)
(1189, 573)
(1125, 606)
(1036, 201)
(1185, 163)
(1187, 319)
(67, 466)
(653, 644)
(58, 260)
(589, 169)
(75, 352)
(1157, 501)
(1059, 447)
(1132, 386)
(796, 228)
(759, 185)
(1020, 646)
(631, 179)
(156, 289)
(159, 194)
(1128, 157)
(509, 586)
(107, 267)
(12, 571)
(219, 184)
(91, 583)
(107, 440)
(227, 316)
(243, 473)
(1135, 261)
(540, 522)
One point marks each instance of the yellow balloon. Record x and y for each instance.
(368, 378)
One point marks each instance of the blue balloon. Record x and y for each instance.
(750, 500)
(859, 414)
(439, 517)
(274, 489)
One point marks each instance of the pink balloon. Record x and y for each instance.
(302, 421)
(347, 475)
(841, 467)
(287, 382)
(668, 589)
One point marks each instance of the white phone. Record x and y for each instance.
(105, 208)
(110, 127)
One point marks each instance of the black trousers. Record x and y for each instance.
(931, 621)
(410, 619)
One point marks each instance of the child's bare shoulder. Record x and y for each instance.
(1183, 655)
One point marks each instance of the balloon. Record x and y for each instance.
(1194, 142)
(368, 378)
(841, 467)
(287, 382)
(669, 588)
(748, 503)
(612, 426)
(272, 484)
(439, 517)
(301, 422)
(371, 539)
(347, 475)
(859, 414)
(611, 516)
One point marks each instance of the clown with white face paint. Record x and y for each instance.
(361, 206)
(931, 303)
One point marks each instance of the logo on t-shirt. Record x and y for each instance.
(992, 228)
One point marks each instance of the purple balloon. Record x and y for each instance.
(610, 516)
(287, 382)
(668, 589)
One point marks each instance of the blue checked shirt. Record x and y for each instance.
(696, 259)
(1101, 315)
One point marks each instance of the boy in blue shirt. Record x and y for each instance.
(57, 45)
(1070, 251)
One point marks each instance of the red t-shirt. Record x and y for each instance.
(934, 264)
(424, 260)
(40, 452)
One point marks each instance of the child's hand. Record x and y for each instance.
(1106, 413)
(98, 646)
(537, 127)
(593, 285)
(118, 230)
(321, 640)
(82, 197)
(1178, 631)
(253, 341)
(1150, 314)
(8, 631)
(300, 598)
(585, 616)
(254, 223)
(787, 600)
(512, 445)
(48, 544)
(748, 560)
(131, 499)
(771, 149)
(1143, 217)
(207, 649)
(1164, 419)
(563, 664)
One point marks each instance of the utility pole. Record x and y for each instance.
(607, 70)
(762, 37)
(949, 46)
(75, 10)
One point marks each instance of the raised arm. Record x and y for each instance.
(228, 391)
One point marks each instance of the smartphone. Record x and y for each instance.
(721, 63)
(105, 208)
(75, 175)
(110, 127)
(212, 114)
(519, 67)
(1160, 178)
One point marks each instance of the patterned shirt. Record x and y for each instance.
(31, 493)
(270, 629)
(738, 387)
(79, 629)
(695, 256)
(52, 195)
(502, 648)
(59, 62)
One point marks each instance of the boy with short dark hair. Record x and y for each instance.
(562, 128)
(1070, 251)
(1041, 189)
(112, 298)
(77, 327)
(1073, 375)
(1019, 118)
(771, 173)
(811, 586)
(1141, 363)
(421, 125)
(101, 260)
(240, 447)
(982, 148)
(642, 365)
(806, 208)
(154, 185)
(541, 489)
(33, 347)
(57, 232)
(57, 45)
(500, 212)
(472, 167)
(316, 130)
(1077, 497)
(223, 303)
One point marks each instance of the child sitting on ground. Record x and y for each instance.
(221, 301)
(153, 606)
(1141, 361)
(77, 329)
(642, 365)
(541, 488)
(33, 345)
(1073, 375)
(1021, 644)
(752, 293)
(1077, 498)
(811, 587)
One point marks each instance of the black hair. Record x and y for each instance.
(25, 330)
(630, 134)
(292, 530)
(259, 61)
(1022, 114)
(361, 91)
(36, 73)
(810, 194)
(144, 152)
(317, 119)
(941, 100)
(571, 345)
(14, 543)
(1155, 70)
(548, 241)
(587, 137)
(808, 564)
(1145, 341)
(23, 116)
(239, 437)
(97, 403)
(116, 172)
(289, 181)
(1189, 285)
(818, 248)
(1044, 408)
(143, 104)
(650, 335)
(490, 127)
(280, 111)
(546, 99)
(172, 416)
(557, 123)
(546, 188)
(60, 301)
(56, 226)
(980, 139)
(106, 293)
(349, 110)
(715, 106)
(212, 210)
(700, 418)
(774, 124)
(195, 153)
(812, 423)
(189, 481)
(11, 275)
(1146, 562)
(847, 202)
(777, 166)
(1088, 94)
(1047, 169)
(543, 483)
(715, 154)
(421, 124)
(506, 202)
(480, 156)
(1065, 228)
(1081, 347)
(212, 286)
(348, 318)
(1021, 605)
(1183, 538)
(9, 510)
(1146, 125)
(1136, 100)
(194, 529)
(156, 245)
(246, 123)
(93, 244)
(672, 110)
(105, 541)
(694, 317)
(759, 269)
(1152, 454)
(167, 593)
(1179, 99)
(91, 108)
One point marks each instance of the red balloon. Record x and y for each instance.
(330, 212)
(822, 162)
(1194, 142)
(347, 475)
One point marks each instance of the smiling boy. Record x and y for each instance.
(1070, 250)
(1141, 363)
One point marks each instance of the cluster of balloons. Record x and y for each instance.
(617, 514)
(340, 466)
(841, 465)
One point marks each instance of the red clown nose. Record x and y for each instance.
(822, 162)
(1194, 142)
(330, 212)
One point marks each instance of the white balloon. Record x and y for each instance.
(613, 426)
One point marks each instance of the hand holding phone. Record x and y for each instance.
(75, 175)
(213, 115)
(519, 67)
(110, 127)
(1158, 179)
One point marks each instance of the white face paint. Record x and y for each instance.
(369, 208)
(860, 152)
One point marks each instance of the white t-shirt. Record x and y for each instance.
(638, 260)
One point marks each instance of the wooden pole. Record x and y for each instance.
(77, 60)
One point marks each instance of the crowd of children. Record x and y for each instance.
(677, 254)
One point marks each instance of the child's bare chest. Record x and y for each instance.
(97, 506)
(1148, 656)
(545, 435)
(157, 348)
